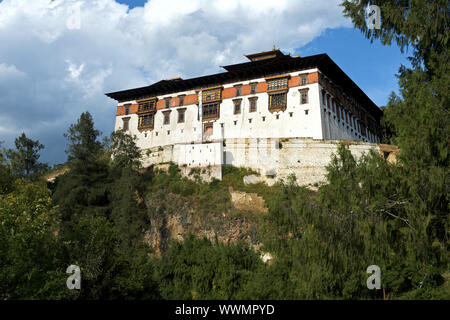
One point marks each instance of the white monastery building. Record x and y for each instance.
(246, 115)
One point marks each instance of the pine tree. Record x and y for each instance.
(419, 118)
(84, 146)
(24, 160)
(6, 178)
(84, 188)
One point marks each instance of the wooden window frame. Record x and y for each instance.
(208, 112)
(303, 79)
(207, 125)
(146, 110)
(253, 88)
(126, 120)
(167, 102)
(127, 108)
(146, 126)
(181, 100)
(181, 115)
(237, 106)
(279, 106)
(166, 116)
(211, 95)
(253, 100)
(147, 105)
(278, 83)
(303, 92)
(238, 90)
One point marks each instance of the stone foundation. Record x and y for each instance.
(273, 159)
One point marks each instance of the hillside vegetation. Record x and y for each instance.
(97, 216)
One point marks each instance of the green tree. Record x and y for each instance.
(24, 160)
(124, 150)
(82, 136)
(422, 25)
(419, 118)
(197, 269)
(28, 236)
(83, 189)
(6, 178)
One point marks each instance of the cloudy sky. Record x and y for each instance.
(58, 58)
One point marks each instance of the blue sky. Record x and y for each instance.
(59, 57)
(133, 3)
(372, 66)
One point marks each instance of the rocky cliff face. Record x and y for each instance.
(173, 216)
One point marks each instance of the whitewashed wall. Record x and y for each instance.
(273, 159)
(293, 122)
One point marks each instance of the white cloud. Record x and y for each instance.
(74, 71)
(8, 73)
(50, 73)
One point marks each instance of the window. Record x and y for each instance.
(125, 123)
(145, 106)
(263, 118)
(210, 111)
(208, 130)
(146, 112)
(304, 79)
(127, 109)
(237, 90)
(324, 97)
(181, 115)
(252, 102)
(253, 88)
(181, 101)
(212, 95)
(277, 84)
(306, 112)
(146, 121)
(166, 117)
(167, 100)
(277, 101)
(277, 90)
(237, 106)
(303, 96)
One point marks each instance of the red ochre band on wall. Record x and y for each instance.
(227, 93)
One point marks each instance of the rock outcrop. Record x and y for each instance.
(173, 216)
